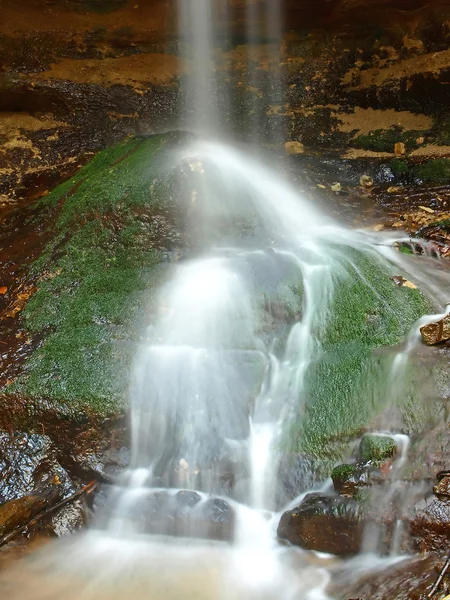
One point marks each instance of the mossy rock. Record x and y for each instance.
(113, 227)
(432, 171)
(348, 479)
(436, 170)
(377, 448)
(384, 140)
(347, 382)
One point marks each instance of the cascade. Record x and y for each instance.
(217, 380)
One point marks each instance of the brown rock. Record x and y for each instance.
(442, 488)
(408, 580)
(429, 525)
(324, 523)
(17, 513)
(435, 333)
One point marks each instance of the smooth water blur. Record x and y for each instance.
(220, 373)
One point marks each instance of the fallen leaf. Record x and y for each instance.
(409, 284)
(3, 289)
(426, 209)
(321, 186)
(379, 227)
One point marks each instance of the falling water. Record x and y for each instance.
(215, 383)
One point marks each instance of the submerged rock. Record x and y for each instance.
(185, 514)
(324, 523)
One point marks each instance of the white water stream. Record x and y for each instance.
(214, 387)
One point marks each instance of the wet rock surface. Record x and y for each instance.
(325, 523)
(407, 580)
(435, 333)
(429, 525)
(28, 460)
(184, 514)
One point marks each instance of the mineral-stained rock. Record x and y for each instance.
(435, 333)
(324, 523)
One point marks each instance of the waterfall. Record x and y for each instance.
(224, 370)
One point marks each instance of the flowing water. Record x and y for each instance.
(223, 372)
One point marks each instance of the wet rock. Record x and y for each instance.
(442, 488)
(69, 519)
(376, 448)
(348, 479)
(28, 461)
(324, 523)
(429, 525)
(409, 579)
(185, 514)
(17, 513)
(435, 333)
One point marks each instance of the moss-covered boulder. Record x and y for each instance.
(377, 448)
(348, 381)
(112, 228)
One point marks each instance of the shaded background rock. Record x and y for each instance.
(360, 77)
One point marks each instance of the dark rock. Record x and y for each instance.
(28, 461)
(324, 523)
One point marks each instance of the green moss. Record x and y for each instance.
(97, 273)
(399, 166)
(347, 383)
(376, 448)
(442, 130)
(384, 140)
(436, 170)
(405, 249)
(343, 472)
